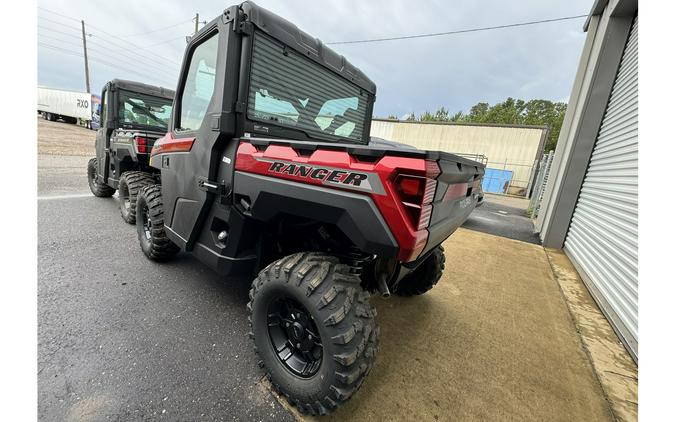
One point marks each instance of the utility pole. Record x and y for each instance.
(196, 23)
(86, 59)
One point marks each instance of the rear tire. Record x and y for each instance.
(313, 329)
(150, 225)
(100, 190)
(131, 184)
(425, 276)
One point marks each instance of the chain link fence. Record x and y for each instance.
(543, 170)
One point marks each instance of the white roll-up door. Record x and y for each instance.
(603, 235)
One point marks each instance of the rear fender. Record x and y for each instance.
(356, 215)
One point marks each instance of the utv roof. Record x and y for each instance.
(305, 44)
(142, 88)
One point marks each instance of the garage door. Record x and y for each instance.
(603, 236)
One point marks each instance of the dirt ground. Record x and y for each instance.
(58, 138)
(494, 340)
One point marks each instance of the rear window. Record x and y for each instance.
(290, 90)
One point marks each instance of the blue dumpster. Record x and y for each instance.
(496, 180)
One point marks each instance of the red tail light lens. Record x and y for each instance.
(410, 188)
(417, 194)
(142, 145)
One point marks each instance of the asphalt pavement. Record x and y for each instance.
(505, 217)
(124, 338)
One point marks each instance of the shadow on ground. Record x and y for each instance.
(503, 216)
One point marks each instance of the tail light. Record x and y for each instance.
(142, 145)
(417, 193)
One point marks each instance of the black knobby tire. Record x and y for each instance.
(425, 276)
(150, 225)
(340, 312)
(97, 188)
(131, 184)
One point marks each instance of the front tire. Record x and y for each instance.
(150, 225)
(131, 184)
(425, 276)
(313, 329)
(99, 189)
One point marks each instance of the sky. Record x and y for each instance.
(130, 40)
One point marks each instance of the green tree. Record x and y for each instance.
(457, 117)
(510, 111)
(427, 117)
(441, 115)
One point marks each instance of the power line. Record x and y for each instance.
(107, 52)
(141, 59)
(98, 60)
(58, 14)
(125, 36)
(158, 29)
(133, 45)
(59, 32)
(461, 31)
(101, 30)
(182, 37)
(59, 23)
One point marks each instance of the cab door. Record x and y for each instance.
(103, 136)
(201, 130)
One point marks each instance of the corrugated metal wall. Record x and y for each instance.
(603, 236)
(515, 146)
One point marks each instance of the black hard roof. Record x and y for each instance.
(302, 42)
(142, 88)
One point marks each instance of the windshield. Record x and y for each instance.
(292, 91)
(137, 109)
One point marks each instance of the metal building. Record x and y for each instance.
(512, 151)
(590, 205)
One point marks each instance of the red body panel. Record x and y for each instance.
(411, 241)
(168, 143)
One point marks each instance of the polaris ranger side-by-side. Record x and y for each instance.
(268, 168)
(133, 116)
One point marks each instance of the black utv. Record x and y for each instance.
(133, 116)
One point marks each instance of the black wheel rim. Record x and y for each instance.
(147, 224)
(294, 337)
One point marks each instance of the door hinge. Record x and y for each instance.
(212, 187)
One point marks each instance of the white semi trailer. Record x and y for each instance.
(70, 106)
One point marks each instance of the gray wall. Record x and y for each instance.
(607, 34)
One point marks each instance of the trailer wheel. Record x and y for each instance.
(97, 188)
(150, 225)
(131, 184)
(425, 276)
(314, 330)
